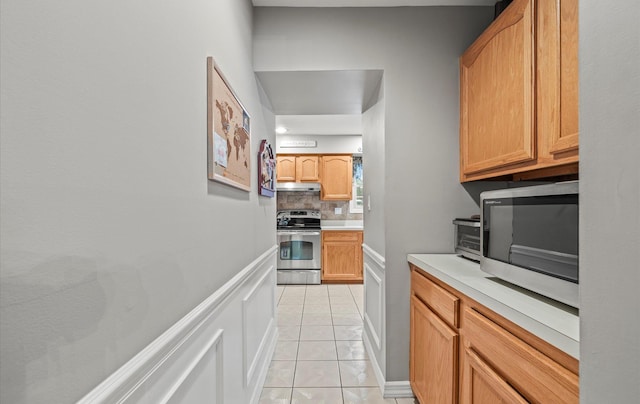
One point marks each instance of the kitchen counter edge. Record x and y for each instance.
(551, 321)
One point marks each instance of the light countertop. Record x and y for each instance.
(341, 224)
(553, 322)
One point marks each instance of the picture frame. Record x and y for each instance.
(266, 170)
(228, 132)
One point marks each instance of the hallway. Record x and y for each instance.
(320, 356)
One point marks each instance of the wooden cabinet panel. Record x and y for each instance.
(557, 77)
(519, 94)
(497, 93)
(336, 177)
(434, 356)
(342, 256)
(567, 139)
(307, 169)
(535, 376)
(303, 168)
(439, 300)
(482, 385)
(484, 359)
(285, 168)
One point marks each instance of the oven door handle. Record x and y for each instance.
(298, 233)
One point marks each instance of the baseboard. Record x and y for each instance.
(374, 361)
(400, 389)
(186, 364)
(397, 390)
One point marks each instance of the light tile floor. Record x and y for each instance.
(320, 357)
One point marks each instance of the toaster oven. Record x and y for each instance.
(467, 238)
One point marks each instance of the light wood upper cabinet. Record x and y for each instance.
(342, 256)
(307, 169)
(497, 86)
(337, 177)
(303, 168)
(519, 94)
(286, 168)
(557, 77)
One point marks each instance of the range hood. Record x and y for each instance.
(298, 186)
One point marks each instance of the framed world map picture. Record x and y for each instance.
(228, 133)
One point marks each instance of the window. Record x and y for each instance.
(357, 202)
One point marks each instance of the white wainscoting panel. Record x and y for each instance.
(373, 304)
(257, 319)
(190, 364)
(374, 312)
(374, 335)
(203, 378)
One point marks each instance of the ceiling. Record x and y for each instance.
(328, 92)
(369, 3)
(330, 102)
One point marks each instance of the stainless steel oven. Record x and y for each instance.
(298, 247)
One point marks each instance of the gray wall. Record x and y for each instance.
(418, 49)
(110, 230)
(609, 201)
(349, 144)
(373, 169)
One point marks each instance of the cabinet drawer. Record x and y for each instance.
(341, 235)
(537, 377)
(441, 302)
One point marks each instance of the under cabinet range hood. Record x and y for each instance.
(298, 186)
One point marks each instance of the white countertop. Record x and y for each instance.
(341, 224)
(551, 321)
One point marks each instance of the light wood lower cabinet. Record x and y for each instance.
(535, 376)
(342, 256)
(484, 386)
(434, 352)
(460, 351)
(434, 342)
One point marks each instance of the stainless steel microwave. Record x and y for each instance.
(529, 237)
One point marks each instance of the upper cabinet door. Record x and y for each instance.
(285, 168)
(557, 77)
(307, 169)
(497, 104)
(337, 178)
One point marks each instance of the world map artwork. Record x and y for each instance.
(229, 136)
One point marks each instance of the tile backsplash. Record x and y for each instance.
(311, 200)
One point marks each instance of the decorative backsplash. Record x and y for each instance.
(311, 200)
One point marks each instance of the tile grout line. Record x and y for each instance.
(295, 364)
(303, 305)
(335, 344)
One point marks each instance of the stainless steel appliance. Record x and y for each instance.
(299, 240)
(530, 238)
(298, 186)
(467, 238)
